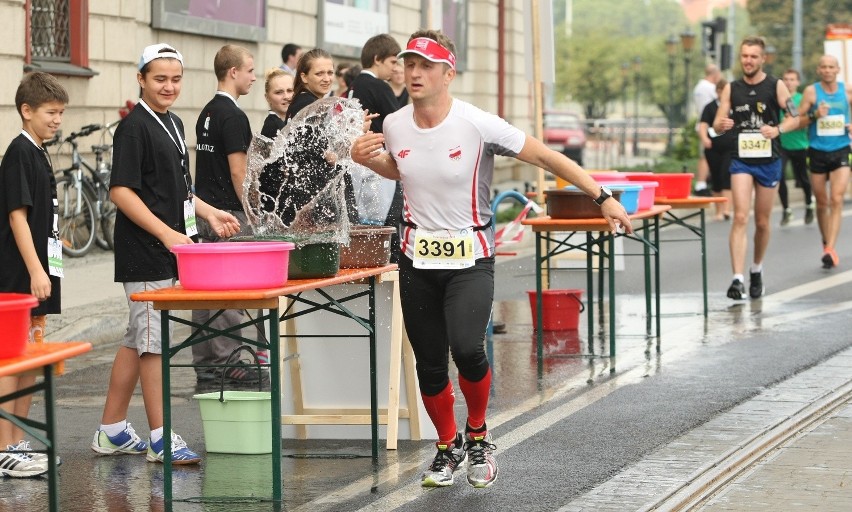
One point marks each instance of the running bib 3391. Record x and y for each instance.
(446, 249)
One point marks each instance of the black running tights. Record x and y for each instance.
(447, 312)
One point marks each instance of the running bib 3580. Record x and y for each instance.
(446, 249)
(831, 126)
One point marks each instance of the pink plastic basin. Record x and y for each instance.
(646, 195)
(15, 323)
(617, 176)
(233, 265)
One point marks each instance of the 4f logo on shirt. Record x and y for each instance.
(455, 153)
(207, 123)
(404, 153)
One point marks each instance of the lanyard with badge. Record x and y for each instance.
(54, 244)
(189, 220)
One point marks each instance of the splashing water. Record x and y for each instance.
(294, 185)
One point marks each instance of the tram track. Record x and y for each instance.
(713, 478)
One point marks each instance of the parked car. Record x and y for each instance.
(566, 133)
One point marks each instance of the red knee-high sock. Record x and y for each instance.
(440, 410)
(476, 396)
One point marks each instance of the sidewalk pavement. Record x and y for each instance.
(811, 470)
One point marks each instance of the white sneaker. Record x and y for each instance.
(21, 465)
(24, 446)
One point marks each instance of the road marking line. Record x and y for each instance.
(412, 491)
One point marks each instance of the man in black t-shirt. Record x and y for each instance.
(223, 135)
(717, 150)
(370, 87)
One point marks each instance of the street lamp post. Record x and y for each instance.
(687, 41)
(671, 48)
(637, 66)
(625, 71)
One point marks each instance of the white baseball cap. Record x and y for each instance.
(159, 51)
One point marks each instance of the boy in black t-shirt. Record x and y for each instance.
(151, 187)
(370, 87)
(223, 135)
(28, 235)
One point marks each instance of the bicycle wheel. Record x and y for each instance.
(76, 218)
(105, 239)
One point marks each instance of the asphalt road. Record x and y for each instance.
(559, 434)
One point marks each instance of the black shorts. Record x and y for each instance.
(823, 162)
(720, 169)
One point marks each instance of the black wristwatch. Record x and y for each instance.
(606, 193)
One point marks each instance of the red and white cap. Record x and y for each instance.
(159, 51)
(431, 50)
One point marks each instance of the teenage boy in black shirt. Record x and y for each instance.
(223, 135)
(370, 87)
(151, 187)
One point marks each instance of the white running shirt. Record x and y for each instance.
(446, 171)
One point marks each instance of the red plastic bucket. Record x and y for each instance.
(15, 323)
(560, 309)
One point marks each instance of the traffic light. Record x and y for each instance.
(710, 35)
(708, 39)
(725, 57)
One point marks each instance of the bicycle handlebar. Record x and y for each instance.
(86, 130)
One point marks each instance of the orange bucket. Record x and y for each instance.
(560, 309)
(15, 322)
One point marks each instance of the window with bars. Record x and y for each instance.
(57, 37)
(49, 30)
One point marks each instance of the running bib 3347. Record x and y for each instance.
(753, 145)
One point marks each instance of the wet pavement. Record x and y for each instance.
(568, 431)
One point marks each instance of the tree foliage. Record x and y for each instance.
(773, 19)
(606, 35)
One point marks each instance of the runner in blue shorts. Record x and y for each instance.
(751, 107)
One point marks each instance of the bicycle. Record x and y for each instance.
(86, 213)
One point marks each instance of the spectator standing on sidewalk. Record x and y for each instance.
(341, 87)
(825, 110)
(152, 188)
(794, 149)
(223, 136)
(717, 150)
(397, 83)
(370, 87)
(28, 232)
(703, 94)
(290, 54)
(751, 107)
(278, 91)
(442, 149)
(278, 88)
(314, 77)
